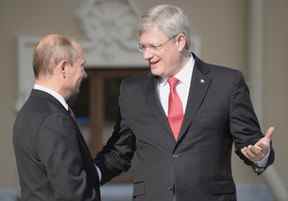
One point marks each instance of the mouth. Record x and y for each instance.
(153, 64)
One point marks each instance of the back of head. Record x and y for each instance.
(49, 51)
(169, 19)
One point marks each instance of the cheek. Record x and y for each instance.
(167, 61)
(173, 58)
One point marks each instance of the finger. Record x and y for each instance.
(259, 152)
(247, 153)
(244, 152)
(264, 145)
(250, 153)
(256, 149)
(269, 133)
(264, 142)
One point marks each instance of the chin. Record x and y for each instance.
(74, 92)
(155, 72)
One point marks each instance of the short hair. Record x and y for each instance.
(50, 50)
(170, 19)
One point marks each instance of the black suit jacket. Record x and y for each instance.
(52, 158)
(198, 165)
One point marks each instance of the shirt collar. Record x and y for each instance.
(182, 74)
(52, 93)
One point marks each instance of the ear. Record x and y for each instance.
(181, 42)
(61, 68)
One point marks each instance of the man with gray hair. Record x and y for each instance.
(185, 115)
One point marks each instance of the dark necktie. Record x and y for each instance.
(175, 108)
(71, 113)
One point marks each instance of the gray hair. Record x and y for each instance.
(170, 19)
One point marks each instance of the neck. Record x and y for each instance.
(185, 60)
(182, 63)
(50, 85)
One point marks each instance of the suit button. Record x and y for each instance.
(175, 155)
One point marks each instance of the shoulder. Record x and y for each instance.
(137, 82)
(38, 109)
(225, 78)
(137, 79)
(38, 118)
(219, 72)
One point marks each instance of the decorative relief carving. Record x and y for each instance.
(110, 27)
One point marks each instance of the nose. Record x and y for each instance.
(147, 54)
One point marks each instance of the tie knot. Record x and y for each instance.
(173, 81)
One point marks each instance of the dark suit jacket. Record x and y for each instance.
(52, 158)
(198, 165)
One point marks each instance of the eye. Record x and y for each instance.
(141, 47)
(155, 46)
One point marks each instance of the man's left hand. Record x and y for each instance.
(258, 151)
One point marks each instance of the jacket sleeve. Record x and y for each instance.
(117, 154)
(244, 125)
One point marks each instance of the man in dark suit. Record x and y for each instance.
(52, 158)
(185, 116)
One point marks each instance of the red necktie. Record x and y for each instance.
(175, 108)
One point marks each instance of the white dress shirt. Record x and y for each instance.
(182, 87)
(52, 93)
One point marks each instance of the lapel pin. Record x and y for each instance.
(202, 81)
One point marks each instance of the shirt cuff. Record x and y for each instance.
(263, 162)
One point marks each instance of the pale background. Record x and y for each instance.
(223, 28)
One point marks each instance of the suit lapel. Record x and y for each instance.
(156, 107)
(200, 83)
(79, 134)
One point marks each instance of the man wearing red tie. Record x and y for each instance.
(185, 116)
